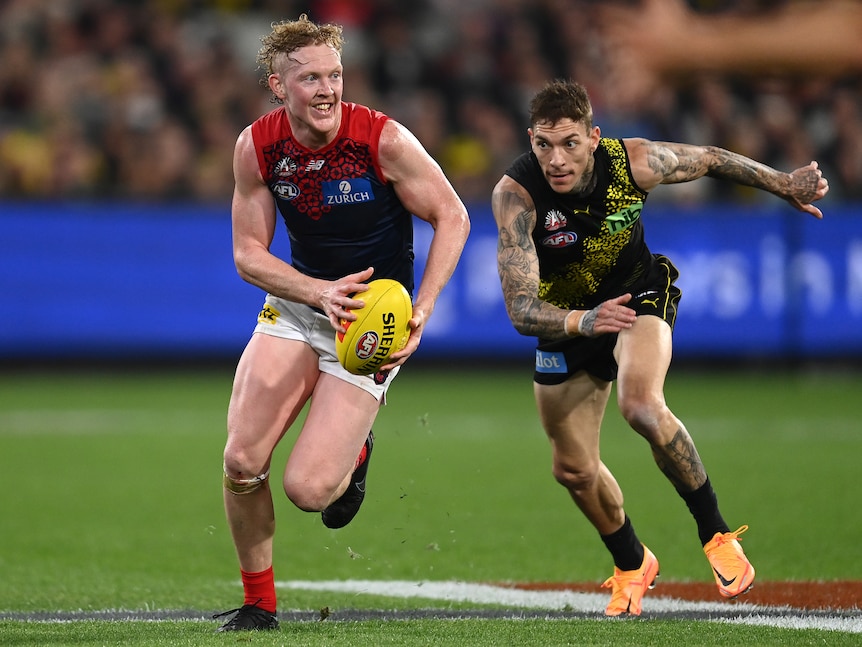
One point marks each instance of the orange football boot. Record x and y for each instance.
(628, 587)
(733, 573)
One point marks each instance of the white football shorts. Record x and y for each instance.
(290, 320)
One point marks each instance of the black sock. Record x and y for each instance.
(703, 505)
(625, 547)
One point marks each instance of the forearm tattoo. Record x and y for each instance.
(799, 186)
(675, 163)
(742, 170)
(680, 462)
(518, 267)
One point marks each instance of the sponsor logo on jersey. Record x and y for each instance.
(621, 220)
(285, 167)
(350, 191)
(550, 362)
(555, 220)
(285, 190)
(314, 165)
(560, 239)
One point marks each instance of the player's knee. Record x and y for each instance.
(242, 484)
(309, 495)
(575, 477)
(242, 475)
(643, 414)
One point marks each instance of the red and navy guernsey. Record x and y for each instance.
(342, 216)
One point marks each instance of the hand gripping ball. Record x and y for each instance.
(380, 328)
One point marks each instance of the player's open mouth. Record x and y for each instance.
(323, 107)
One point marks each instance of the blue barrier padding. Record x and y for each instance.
(117, 280)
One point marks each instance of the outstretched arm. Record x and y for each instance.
(655, 163)
(518, 266)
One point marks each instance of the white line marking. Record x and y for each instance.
(453, 591)
(459, 592)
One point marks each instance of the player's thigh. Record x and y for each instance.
(274, 379)
(337, 423)
(571, 414)
(643, 354)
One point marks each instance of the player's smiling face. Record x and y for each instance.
(565, 153)
(309, 81)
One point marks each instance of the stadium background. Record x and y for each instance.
(117, 124)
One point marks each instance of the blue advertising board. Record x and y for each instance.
(127, 281)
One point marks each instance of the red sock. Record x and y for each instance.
(259, 589)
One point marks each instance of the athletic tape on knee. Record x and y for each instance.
(244, 486)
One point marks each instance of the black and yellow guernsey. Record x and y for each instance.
(590, 245)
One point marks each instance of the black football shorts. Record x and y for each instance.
(557, 361)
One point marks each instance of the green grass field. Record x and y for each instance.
(112, 500)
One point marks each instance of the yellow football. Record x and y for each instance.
(380, 328)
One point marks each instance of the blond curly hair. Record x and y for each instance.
(288, 36)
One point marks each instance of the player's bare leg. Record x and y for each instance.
(324, 456)
(571, 414)
(643, 354)
(264, 402)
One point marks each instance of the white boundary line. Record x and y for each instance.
(589, 603)
(508, 603)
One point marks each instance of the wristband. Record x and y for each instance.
(566, 323)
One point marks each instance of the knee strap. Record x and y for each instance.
(244, 486)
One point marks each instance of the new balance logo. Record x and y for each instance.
(315, 165)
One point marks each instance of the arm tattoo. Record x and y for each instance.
(675, 163)
(518, 267)
(680, 462)
(742, 170)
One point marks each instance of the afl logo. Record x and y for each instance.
(285, 190)
(367, 345)
(562, 239)
(554, 220)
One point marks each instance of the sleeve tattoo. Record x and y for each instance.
(675, 163)
(518, 267)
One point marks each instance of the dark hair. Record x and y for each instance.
(561, 100)
(289, 35)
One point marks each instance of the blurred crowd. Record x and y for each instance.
(144, 99)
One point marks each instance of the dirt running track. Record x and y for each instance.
(839, 595)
